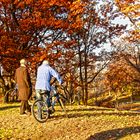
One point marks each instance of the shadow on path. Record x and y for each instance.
(91, 109)
(114, 134)
(89, 114)
(7, 107)
(92, 113)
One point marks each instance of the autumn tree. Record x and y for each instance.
(124, 73)
(97, 31)
(127, 47)
(121, 78)
(29, 28)
(130, 10)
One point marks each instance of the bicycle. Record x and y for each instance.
(11, 95)
(40, 110)
(76, 98)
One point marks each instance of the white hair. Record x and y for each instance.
(46, 62)
(23, 62)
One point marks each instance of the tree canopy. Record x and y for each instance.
(78, 37)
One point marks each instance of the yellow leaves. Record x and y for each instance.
(37, 14)
(125, 1)
(76, 8)
(126, 10)
(130, 8)
(52, 2)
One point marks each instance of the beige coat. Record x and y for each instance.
(22, 79)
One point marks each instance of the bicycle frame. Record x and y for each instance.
(12, 95)
(54, 97)
(40, 109)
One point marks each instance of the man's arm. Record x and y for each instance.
(26, 78)
(56, 75)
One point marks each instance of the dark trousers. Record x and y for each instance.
(24, 107)
(39, 91)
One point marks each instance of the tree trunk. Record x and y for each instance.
(81, 76)
(85, 72)
(132, 94)
(116, 99)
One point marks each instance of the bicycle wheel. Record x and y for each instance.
(62, 106)
(11, 95)
(40, 111)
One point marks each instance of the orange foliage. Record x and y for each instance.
(119, 75)
(26, 25)
(131, 8)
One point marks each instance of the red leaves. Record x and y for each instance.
(26, 25)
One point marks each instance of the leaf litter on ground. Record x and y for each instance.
(84, 122)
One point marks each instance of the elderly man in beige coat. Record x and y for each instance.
(23, 81)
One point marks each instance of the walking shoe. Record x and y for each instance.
(51, 110)
(28, 113)
(24, 114)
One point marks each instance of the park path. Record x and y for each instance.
(84, 123)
